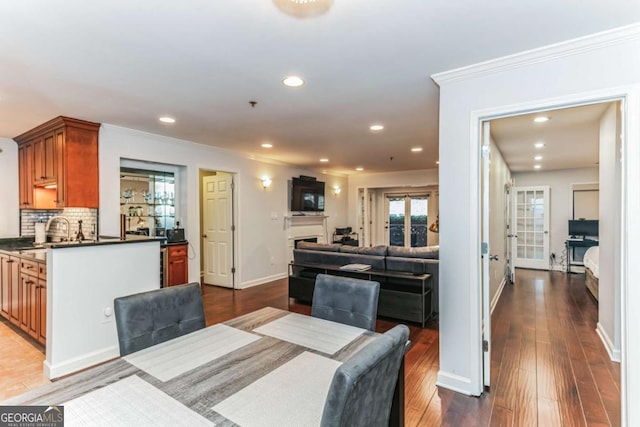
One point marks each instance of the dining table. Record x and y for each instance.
(270, 367)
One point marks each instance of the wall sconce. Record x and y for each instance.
(336, 190)
(266, 182)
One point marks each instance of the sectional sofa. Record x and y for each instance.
(405, 292)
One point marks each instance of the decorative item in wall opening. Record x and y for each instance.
(435, 226)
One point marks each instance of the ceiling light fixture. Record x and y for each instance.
(266, 145)
(303, 8)
(292, 81)
(539, 144)
(416, 149)
(324, 160)
(167, 119)
(376, 127)
(359, 168)
(537, 158)
(541, 119)
(537, 166)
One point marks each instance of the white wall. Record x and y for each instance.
(608, 282)
(261, 239)
(9, 213)
(416, 178)
(560, 201)
(82, 283)
(530, 81)
(499, 176)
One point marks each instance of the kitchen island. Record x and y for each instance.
(81, 282)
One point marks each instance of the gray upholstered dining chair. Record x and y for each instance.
(152, 317)
(362, 388)
(346, 300)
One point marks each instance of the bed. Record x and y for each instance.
(591, 270)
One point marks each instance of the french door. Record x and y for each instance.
(406, 222)
(531, 227)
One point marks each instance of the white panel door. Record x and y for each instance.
(217, 239)
(531, 227)
(485, 251)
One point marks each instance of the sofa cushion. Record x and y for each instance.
(330, 247)
(365, 250)
(426, 252)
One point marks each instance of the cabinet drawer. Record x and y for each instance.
(29, 267)
(177, 251)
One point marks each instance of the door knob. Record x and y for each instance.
(204, 236)
(493, 257)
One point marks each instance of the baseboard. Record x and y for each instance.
(262, 280)
(557, 268)
(496, 297)
(71, 366)
(614, 354)
(454, 382)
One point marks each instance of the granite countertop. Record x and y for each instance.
(26, 246)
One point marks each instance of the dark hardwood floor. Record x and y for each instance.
(548, 365)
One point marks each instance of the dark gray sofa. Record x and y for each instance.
(396, 290)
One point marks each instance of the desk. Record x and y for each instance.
(572, 244)
(205, 386)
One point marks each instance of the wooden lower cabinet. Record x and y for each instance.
(177, 265)
(23, 294)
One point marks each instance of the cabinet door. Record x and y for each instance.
(41, 305)
(33, 311)
(44, 156)
(5, 286)
(178, 268)
(60, 165)
(14, 292)
(25, 179)
(24, 301)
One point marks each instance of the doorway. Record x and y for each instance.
(217, 222)
(532, 209)
(406, 220)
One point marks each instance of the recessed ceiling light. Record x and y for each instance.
(324, 160)
(539, 144)
(537, 158)
(293, 81)
(541, 119)
(416, 149)
(376, 128)
(266, 145)
(167, 119)
(537, 166)
(359, 168)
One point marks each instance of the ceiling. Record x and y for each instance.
(570, 137)
(364, 62)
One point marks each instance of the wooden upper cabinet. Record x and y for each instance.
(25, 178)
(61, 165)
(44, 155)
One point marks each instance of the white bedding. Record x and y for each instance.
(590, 259)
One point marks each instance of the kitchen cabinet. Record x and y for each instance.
(177, 265)
(8, 276)
(25, 178)
(33, 299)
(59, 164)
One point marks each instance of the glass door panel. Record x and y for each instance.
(418, 221)
(532, 223)
(396, 221)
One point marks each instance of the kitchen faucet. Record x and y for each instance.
(62, 218)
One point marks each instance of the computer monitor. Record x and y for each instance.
(583, 227)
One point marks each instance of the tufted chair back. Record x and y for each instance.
(346, 300)
(361, 392)
(152, 317)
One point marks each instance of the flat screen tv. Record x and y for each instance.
(583, 227)
(307, 195)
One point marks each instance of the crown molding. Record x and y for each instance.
(541, 54)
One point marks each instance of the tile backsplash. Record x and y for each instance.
(58, 229)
